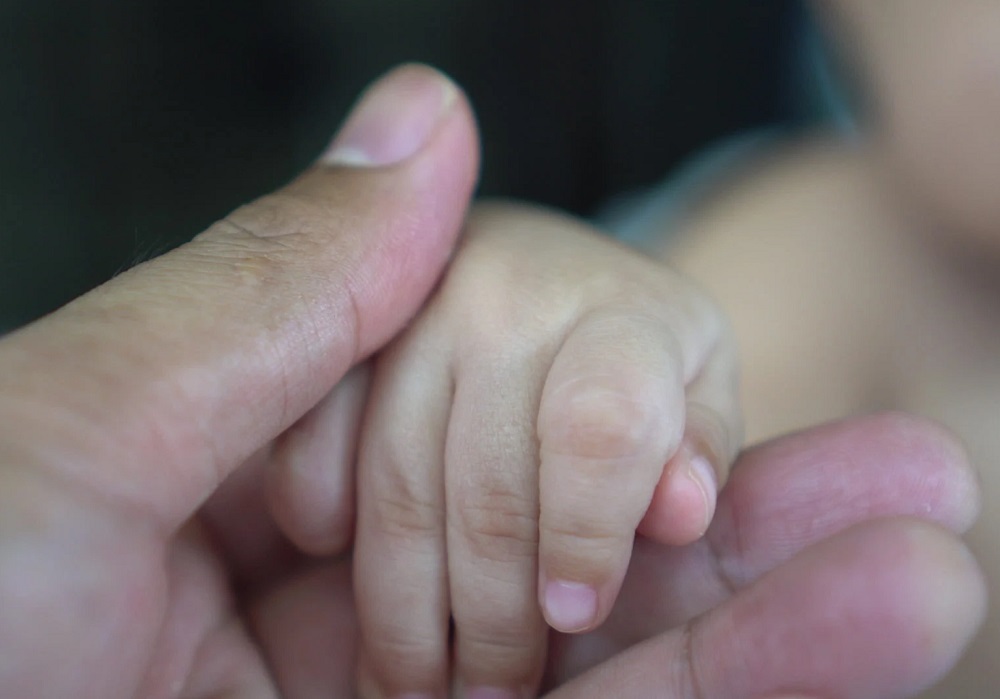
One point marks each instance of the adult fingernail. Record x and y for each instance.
(702, 475)
(569, 606)
(393, 118)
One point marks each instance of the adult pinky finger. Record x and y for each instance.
(880, 611)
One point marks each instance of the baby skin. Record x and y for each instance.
(561, 392)
(558, 393)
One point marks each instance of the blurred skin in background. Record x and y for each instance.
(857, 276)
(867, 274)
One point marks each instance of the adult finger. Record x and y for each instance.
(783, 497)
(175, 371)
(880, 611)
(795, 491)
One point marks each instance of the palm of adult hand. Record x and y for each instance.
(101, 602)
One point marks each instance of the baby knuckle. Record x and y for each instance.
(692, 307)
(584, 539)
(408, 654)
(500, 527)
(501, 612)
(597, 422)
(505, 654)
(403, 513)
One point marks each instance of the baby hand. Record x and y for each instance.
(558, 392)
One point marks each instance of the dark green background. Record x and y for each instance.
(127, 127)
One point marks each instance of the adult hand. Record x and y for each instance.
(124, 569)
(831, 570)
(136, 559)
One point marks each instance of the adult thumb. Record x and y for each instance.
(161, 381)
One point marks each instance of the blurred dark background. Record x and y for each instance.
(127, 127)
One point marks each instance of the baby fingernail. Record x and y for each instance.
(569, 606)
(701, 473)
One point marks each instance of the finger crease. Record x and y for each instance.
(687, 642)
(718, 567)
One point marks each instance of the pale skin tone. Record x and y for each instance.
(154, 541)
(856, 277)
(865, 277)
(846, 298)
(514, 440)
(475, 557)
(881, 318)
(557, 388)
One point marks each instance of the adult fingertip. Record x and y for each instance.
(952, 593)
(895, 601)
(954, 497)
(884, 465)
(393, 119)
(274, 303)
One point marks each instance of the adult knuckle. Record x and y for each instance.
(273, 216)
(272, 227)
